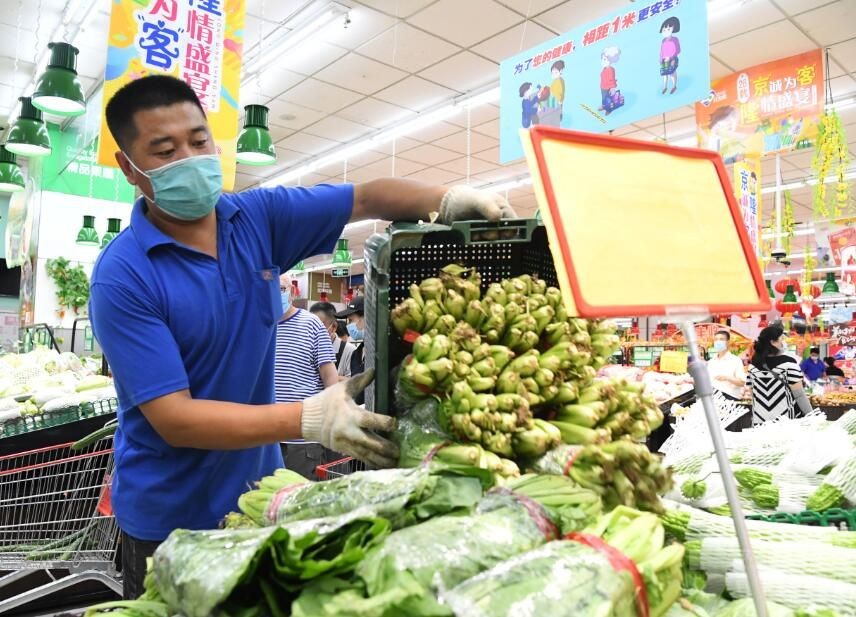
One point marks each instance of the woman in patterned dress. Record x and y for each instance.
(775, 380)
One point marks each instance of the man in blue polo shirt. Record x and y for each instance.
(184, 304)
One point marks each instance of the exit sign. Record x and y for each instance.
(341, 272)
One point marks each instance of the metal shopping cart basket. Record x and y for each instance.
(55, 514)
(337, 469)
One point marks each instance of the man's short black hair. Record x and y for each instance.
(326, 309)
(724, 333)
(829, 360)
(141, 94)
(814, 350)
(341, 329)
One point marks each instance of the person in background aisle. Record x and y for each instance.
(343, 350)
(355, 314)
(831, 369)
(304, 365)
(812, 367)
(726, 369)
(775, 379)
(185, 301)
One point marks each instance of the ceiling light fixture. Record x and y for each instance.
(255, 145)
(58, 90)
(305, 23)
(767, 190)
(29, 135)
(384, 136)
(11, 178)
(87, 236)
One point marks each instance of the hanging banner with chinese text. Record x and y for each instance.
(199, 41)
(772, 107)
(843, 246)
(631, 64)
(747, 190)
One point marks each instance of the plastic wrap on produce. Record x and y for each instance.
(418, 432)
(796, 591)
(402, 575)
(199, 573)
(403, 496)
(560, 579)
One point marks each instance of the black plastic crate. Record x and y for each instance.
(407, 253)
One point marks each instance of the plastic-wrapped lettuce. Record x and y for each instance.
(560, 579)
(402, 575)
(256, 571)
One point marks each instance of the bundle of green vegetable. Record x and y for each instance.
(501, 361)
(715, 555)
(686, 523)
(569, 506)
(797, 591)
(621, 472)
(838, 489)
(402, 575)
(582, 576)
(258, 571)
(403, 496)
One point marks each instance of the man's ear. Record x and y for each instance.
(125, 166)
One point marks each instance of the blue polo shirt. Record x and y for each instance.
(813, 370)
(169, 318)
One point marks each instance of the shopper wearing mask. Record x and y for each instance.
(184, 303)
(355, 315)
(726, 369)
(775, 379)
(813, 367)
(343, 350)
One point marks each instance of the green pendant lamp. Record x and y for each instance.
(790, 296)
(830, 286)
(87, 236)
(112, 231)
(770, 289)
(58, 90)
(28, 136)
(255, 145)
(11, 178)
(342, 256)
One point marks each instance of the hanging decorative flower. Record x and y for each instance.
(831, 157)
(788, 223)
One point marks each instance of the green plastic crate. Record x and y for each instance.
(408, 253)
(834, 517)
(27, 424)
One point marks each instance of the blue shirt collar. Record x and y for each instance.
(150, 236)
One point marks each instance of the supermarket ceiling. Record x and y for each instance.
(391, 60)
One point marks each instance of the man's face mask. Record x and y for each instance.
(187, 189)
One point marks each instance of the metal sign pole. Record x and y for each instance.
(704, 392)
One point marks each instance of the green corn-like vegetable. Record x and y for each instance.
(441, 370)
(581, 415)
(544, 377)
(485, 368)
(567, 393)
(825, 497)
(556, 333)
(508, 382)
(475, 314)
(574, 434)
(501, 356)
(512, 312)
(766, 495)
(524, 365)
(432, 289)
(497, 294)
(416, 295)
(481, 384)
(750, 477)
(554, 297)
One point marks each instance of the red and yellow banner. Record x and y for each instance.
(767, 108)
(747, 190)
(199, 41)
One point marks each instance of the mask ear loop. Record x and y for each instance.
(141, 172)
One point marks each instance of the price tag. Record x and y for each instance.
(673, 361)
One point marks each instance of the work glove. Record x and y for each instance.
(333, 419)
(463, 203)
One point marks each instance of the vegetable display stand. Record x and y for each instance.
(27, 424)
(834, 517)
(55, 514)
(408, 253)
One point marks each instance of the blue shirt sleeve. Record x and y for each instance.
(142, 352)
(304, 221)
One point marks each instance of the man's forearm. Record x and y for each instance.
(329, 374)
(184, 422)
(396, 199)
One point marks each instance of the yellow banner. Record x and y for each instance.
(747, 189)
(674, 361)
(199, 41)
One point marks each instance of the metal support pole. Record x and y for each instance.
(704, 392)
(778, 247)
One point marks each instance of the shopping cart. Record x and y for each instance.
(55, 514)
(337, 469)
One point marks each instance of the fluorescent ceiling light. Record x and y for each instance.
(384, 136)
(718, 8)
(305, 23)
(767, 190)
(843, 103)
(797, 232)
(785, 187)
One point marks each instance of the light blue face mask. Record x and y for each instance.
(187, 189)
(285, 296)
(355, 332)
(720, 346)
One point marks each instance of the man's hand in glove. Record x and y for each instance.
(462, 203)
(332, 418)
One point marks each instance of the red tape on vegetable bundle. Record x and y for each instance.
(433, 452)
(571, 461)
(536, 512)
(619, 561)
(279, 497)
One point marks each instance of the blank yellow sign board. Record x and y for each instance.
(641, 228)
(672, 361)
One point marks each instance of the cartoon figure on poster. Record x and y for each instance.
(543, 104)
(723, 135)
(670, 49)
(610, 96)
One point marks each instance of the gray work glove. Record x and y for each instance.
(463, 203)
(333, 419)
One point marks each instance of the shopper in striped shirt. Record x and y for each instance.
(304, 365)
